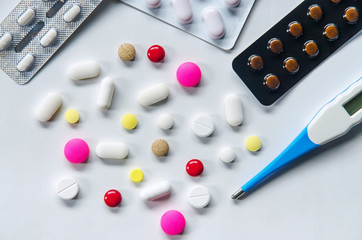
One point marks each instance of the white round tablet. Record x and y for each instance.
(165, 121)
(203, 126)
(67, 188)
(199, 196)
(227, 155)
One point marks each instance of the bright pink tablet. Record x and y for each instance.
(173, 222)
(76, 150)
(188, 74)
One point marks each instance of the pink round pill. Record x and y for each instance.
(173, 222)
(188, 74)
(76, 150)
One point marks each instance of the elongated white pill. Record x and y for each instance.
(153, 3)
(156, 191)
(84, 70)
(182, 10)
(199, 196)
(26, 62)
(5, 41)
(233, 110)
(67, 188)
(112, 150)
(27, 17)
(48, 107)
(232, 3)
(153, 94)
(213, 22)
(72, 13)
(49, 38)
(105, 94)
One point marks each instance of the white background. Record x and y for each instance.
(320, 198)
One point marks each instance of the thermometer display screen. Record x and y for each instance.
(353, 105)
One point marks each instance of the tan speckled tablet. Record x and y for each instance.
(126, 52)
(160, 147)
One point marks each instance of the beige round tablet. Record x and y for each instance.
(126, 52)
(160, 147)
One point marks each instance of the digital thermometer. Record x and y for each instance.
(333, 120)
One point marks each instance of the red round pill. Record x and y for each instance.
(112, 198)
(194, 167)
(156, 53)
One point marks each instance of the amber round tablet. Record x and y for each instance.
(336, 1)
(351, 14)
(291, 65)
(275, 45)
(331, 31)
(271, 82)
(311, 48)
(256, 62)
(315, 12)
(295, 29)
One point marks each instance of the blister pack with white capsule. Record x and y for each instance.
(34, 30)
(218, 22)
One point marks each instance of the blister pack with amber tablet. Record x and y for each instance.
(34, 30)
(296, 45)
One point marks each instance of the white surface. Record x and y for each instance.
(320, 198)
(199, 196)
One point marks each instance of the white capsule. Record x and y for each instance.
(165, 121)
(105, 94)
(84, 70)
(5, 41)
(233, 110)
(153, 3)
(232, 3)
(26, 62)
(156, 191)
(27, 17)
(49, 38)
(112, 150)
(48, 107)
(203, 126)
(67, 189)
(182, 10)
(72, 13)
(199, 196)
(213, 22)
(153, 94)
(227, 155)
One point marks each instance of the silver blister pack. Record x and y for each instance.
(37, 29)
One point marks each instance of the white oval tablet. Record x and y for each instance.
(112, 150)
(49, 38)
(26, 63)
(84, 70)
(27, 17)
(182, 10)
(232, 3)
(153, 94)
(105, 94)
(156, 191)
(165, 121)
(5, 41)
(72, 13)
(203, 126)
(199, 196)
(213, 22)
(67, 188)
(233, 110)
(153, 3)
(227, 155)
(48, 107)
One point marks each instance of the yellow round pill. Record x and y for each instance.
(136, 175)
(72, 116)
(253, 143)
(129, 121)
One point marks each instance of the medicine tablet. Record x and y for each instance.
(232, 3)
(153, 3)
(331, 32)
(129, 121)
(49, 38)
(48, 107)
(160, 148)
(76, 150)
(156, 191)
(173, 222)
(213, 22)
(112, 150)
(72, 13)
(156, 53)
(188, 74)
(126, 52)
(72, 116)
(136, 175)
(165, 121)
(26, 63)
(227, 155)
(112, 198)
(203, 126)
(105, 94)
(182, 10)
(233, 110)
(253, 143)
(255, 62)
(84, 70)
(295, 29)
(5, 41)
(67, 188)
(194, 168)
(27, 17)
(153, 94)
(271, 82)
(199, 196)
